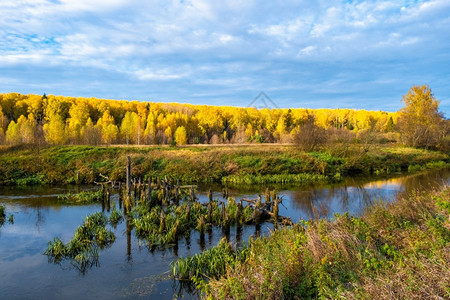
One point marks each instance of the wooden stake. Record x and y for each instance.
(128, 176)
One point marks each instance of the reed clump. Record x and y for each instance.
(2, 214)
(211, 263)
(83, 248)
(115, 217)
(84, 197)
(303, 178)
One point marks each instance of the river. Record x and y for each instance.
(127, 269)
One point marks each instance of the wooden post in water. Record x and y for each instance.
(238, 214)
(135, 187)
(149, 191)
(108, 200)
(128, 183)
(162, 221)
(225, 193)
(188, 210)
(210, 195)
(225, 222)
(192, 194)
(137, 193)
(177, 193)
(267, 195)
(275, 212)
(201, 227)
(166, 193)
(258, 202)
(209, 213)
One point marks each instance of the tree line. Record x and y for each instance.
(56, 120)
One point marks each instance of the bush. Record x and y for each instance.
(309, 136)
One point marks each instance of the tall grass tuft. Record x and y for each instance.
(84, 197)
(115, 217)
(2, 214)
(82, 250)
(303, 178)
(212, 263)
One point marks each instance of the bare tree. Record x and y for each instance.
(309, 136)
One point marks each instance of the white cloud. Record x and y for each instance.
(160, 74)
(307, 50)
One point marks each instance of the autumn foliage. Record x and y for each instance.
(65, 120)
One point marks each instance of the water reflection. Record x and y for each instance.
(356, 194)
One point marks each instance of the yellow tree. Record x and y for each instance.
(3, 119)
(79, 114)
(27, 128)
(90, 134)
(2, 136)
(181, 136)
(168, 134)
(13, 134)
(109, 130)
(420, 123)
(281, 128)
(54, 130)
(127, 126)
(150, 130)
(110, 133)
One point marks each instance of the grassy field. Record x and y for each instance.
(398, 250)
(259, 164)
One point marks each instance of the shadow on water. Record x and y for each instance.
(129, 269)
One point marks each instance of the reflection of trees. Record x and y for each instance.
(40, 217)
(129, 228)
(40, 210)
(424, 182)
(355, 195)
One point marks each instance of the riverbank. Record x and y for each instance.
(27, 165)
(395, 250)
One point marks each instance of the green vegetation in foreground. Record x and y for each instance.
(395, 250)
(228, 164)
(212, 263)
(82, 250)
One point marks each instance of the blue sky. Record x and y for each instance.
(314, 54)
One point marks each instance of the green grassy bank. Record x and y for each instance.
(228, 164)
(399, 250)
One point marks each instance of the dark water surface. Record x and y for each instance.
(127, 269)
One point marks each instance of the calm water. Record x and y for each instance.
(128, 270)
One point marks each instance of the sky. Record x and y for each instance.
(312, 54)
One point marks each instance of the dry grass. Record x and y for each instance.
(399, 250)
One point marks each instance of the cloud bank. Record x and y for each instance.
(353, 54)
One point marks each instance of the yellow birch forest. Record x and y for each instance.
(60, 120)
